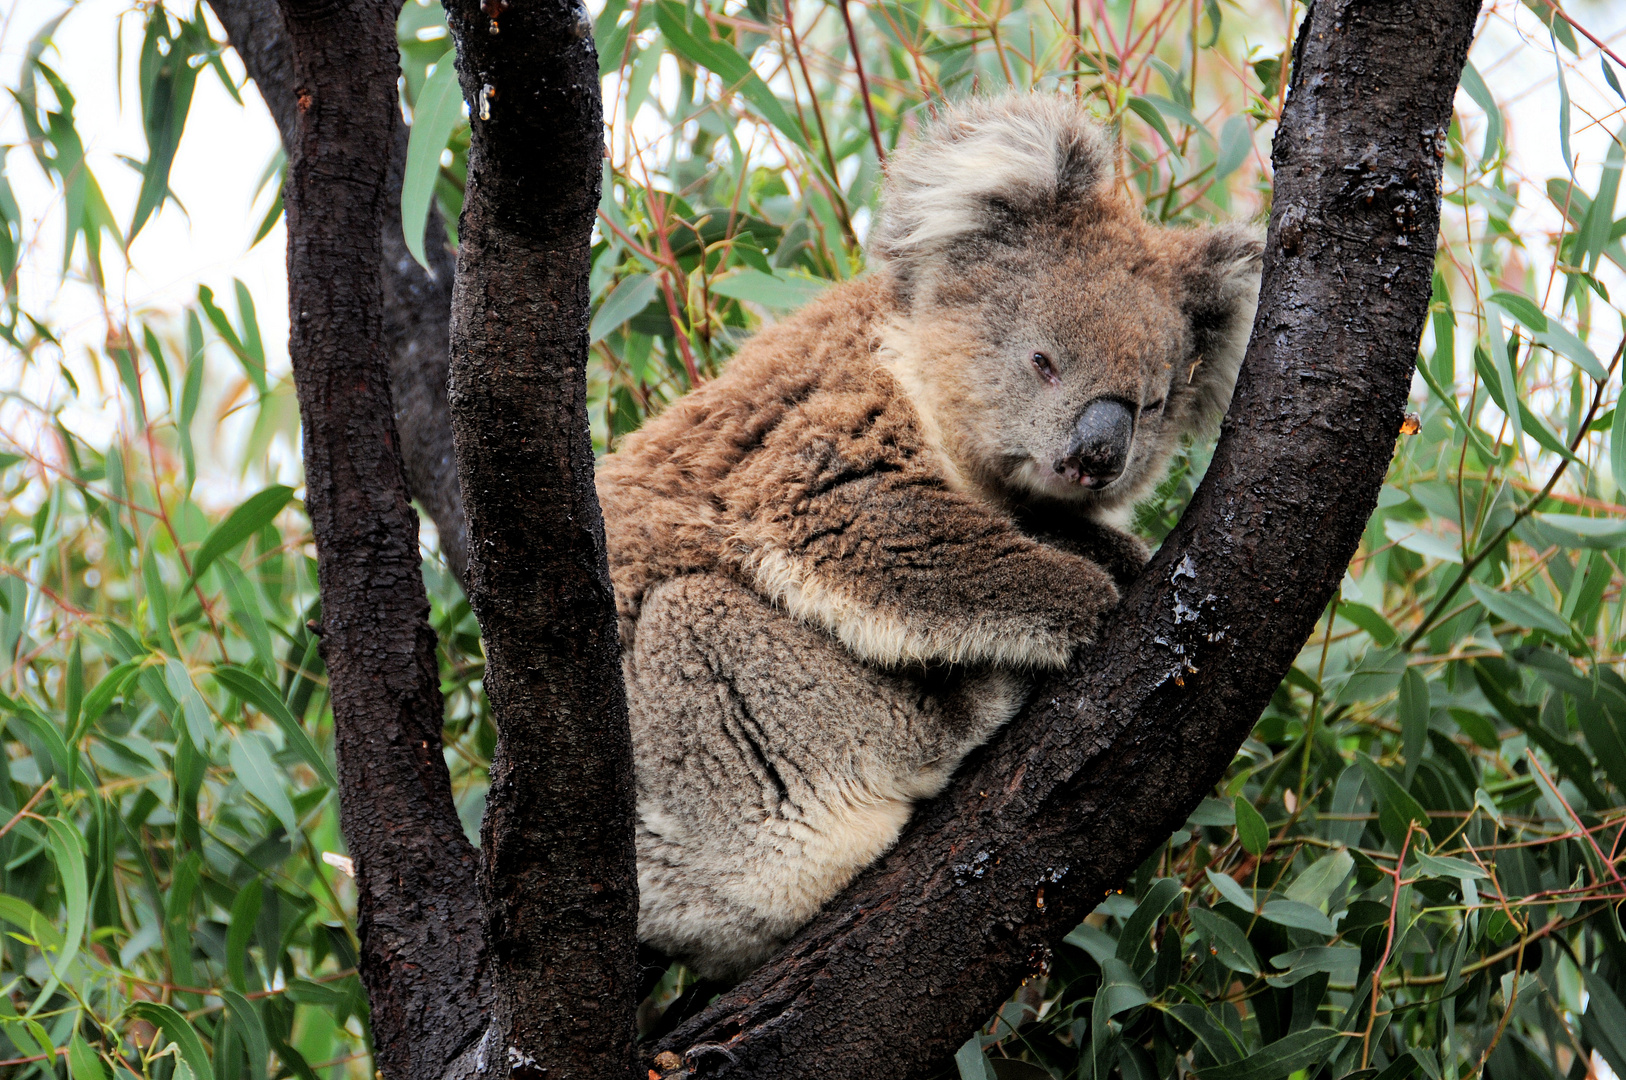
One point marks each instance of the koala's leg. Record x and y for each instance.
(773, 765)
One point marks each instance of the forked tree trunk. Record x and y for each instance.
(1074, 794)
(1114, 754)
(418, 915)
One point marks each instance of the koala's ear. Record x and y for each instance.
(983, 164)
(1221, 279)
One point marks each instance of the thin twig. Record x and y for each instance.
(863, 83)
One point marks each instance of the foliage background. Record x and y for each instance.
(1414, 866)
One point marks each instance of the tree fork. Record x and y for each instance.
(419, 918)
(1114, 754)
(558, 880)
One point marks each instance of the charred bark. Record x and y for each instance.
(419, 917)
(417, 303)
(558, 878)
(1114, 754)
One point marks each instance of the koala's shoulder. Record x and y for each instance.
(804, 400)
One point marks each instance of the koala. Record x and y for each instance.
(839, 565)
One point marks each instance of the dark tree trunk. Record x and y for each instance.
(419, 919)
(558, 878)
(417, 304)
(1115, 754)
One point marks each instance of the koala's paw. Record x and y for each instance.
(1090, 601)
(1122, 555)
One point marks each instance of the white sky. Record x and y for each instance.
(227, 146)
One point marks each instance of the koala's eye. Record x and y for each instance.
(1046, 368)
(1153, 406)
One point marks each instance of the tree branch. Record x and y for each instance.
(558, 879)
(419, 919)
(417, 304)
(1114, 754)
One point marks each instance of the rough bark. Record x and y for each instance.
(419, 918)
(1113, 755)
(417, 303)
(558, 878)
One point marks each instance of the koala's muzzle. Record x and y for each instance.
(1099, 446)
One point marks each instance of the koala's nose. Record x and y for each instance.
(1099, 446)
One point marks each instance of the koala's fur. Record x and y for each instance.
(838, 564)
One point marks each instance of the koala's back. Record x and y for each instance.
(803, 395)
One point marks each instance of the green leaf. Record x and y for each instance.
(1449, 400)
(64, 843)
(245, 606)
(245, 909)
(167, 80)
(1520, 609)
(1120, 989)
(1213, 812)
(1504, 386)
(630, 296)
(1610, 78)
(1415, 539)
(251, 324)
(194, 710)
(1251, 828)
(257, 692)
(1235, 144)
(1575, 531)
(1445, 866)
(1413, 708)
(256, 512)
(1227, 941)
(178, 1031)
(1229, 889)
(724, 60)
(102, 694)
(1135, 941)
(1298, 915)
(435, 115)
(1397, 810)
(1221, 1045)
(1149, 113)
(1179, 114)
(217, 319)
(251, 761)
(83, 1064)
(1098, 943)
(1474, 83)
(61, 753)
(1563, 94)
(1342, 962)
(247, 1018)
(1617, 447)
(971, 1063)
(1316, 884)
(776, 292)
(1282, 1057)
(1369, 619)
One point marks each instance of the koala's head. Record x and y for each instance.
(1056, 345)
